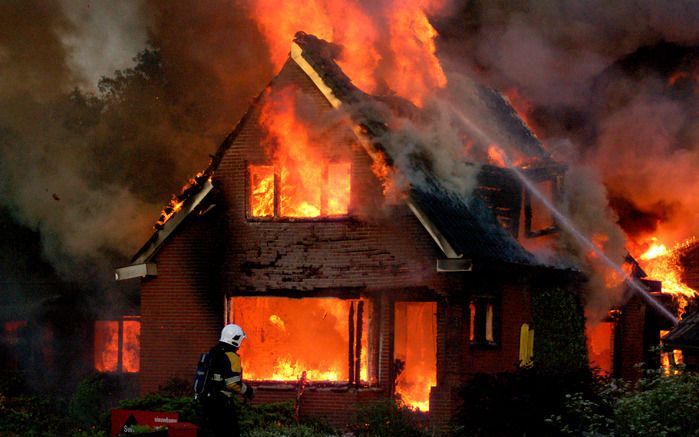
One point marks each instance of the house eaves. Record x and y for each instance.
(140, 264)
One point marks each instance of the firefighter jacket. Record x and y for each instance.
(226, 371)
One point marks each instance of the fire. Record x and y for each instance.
(600, 344)
(394, 45)
(286, 337)
(495, 156)
(663, 264)
(309, 183)
(415, 323)
(131, 348)
(111, 355)
(262, 190)
(106, 346)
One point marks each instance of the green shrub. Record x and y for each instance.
(388, 418)
(93, 396)
(516, 403)
(660, 405)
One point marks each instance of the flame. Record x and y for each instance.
(262, 190)
(106, 343)
(310, 184)
(495, 156)
(415, 345)
(663, 264)
(131, 347)
(600, 344)
(286, 337)
(394, 45)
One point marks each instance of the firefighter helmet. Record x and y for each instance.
(232, 334)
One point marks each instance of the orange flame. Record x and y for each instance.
(407, 62)
(663, 264)
(106, 353)
(415, 346)
(310, 184)
(286, 337)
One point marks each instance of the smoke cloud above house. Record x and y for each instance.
(610, 88)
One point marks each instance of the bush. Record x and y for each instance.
(516, 403)
(93, 396)
(389, 418)
(659, 406)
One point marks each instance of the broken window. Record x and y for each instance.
(415, 352)
(482, 320)
(322, 190)
(117, 345)
(538, 218)
(326, 338)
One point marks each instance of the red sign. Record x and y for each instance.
(123, 420)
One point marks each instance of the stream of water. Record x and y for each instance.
(563, 221)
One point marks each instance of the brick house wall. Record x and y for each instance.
(181, 310)
(382, 252)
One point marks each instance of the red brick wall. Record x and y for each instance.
(383, 250)
(382, 247)
(629, 339)
(181, 308)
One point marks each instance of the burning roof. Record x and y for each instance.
(462, 225)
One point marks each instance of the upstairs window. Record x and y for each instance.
(318, 191)
(538, 216)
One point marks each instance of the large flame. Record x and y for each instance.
(310, 183)
(415, 346)
(286, 337)
(108, 351)
(394, 44)
(663, 264)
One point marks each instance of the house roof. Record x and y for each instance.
(685, 335)
(462, 226)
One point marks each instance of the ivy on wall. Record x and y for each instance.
(559, 324)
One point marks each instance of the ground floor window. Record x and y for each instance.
(117, 345)
(415, 352)
(600, 346)
(326, 338)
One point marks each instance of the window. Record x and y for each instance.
(538, 219)
(415, 351)
(318, 191)
(327, 338)
(482, 321)
(117, 345)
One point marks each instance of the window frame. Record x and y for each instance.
(120, 343)
(277, 217)
(556, 195)
(478, 322)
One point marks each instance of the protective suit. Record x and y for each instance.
(226, 373)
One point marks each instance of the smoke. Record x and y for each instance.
(90, 169)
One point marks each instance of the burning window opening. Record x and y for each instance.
(538, 219)
(415, 347)
(117, 345)
(325, 337)
(670, 360)
(600, 346)
(321, 191)
(482, 315)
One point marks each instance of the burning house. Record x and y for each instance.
(288, 233)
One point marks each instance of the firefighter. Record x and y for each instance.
(226, 380)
